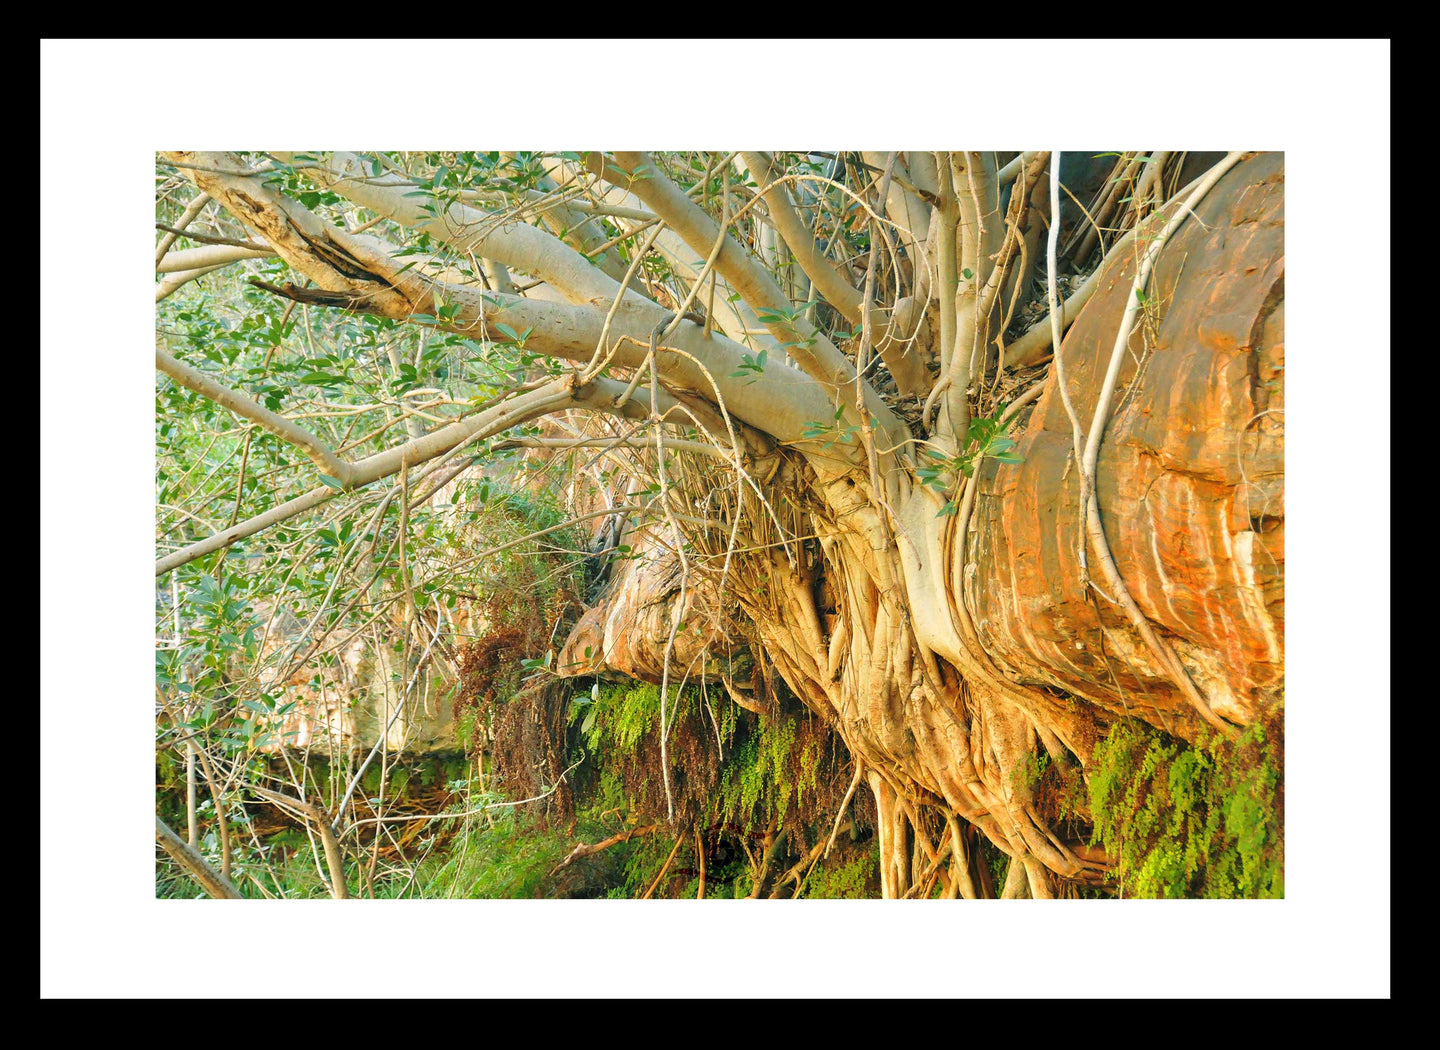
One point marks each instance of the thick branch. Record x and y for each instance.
(215, 884)
(727, 310)
(815, 354)
(210, 255)
(193, 209)
(176, 281)
(334, 859)
(315, 450)
(519, 246)
(904, 206)
(358, 272)
(537, 402)
(821, 271)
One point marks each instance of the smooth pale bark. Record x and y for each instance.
(732, 315)
(208, 255)
(194, 208)
(522, 248)
(816, 355)
(313, 447)
(782, 401)
(823, 275)
(175, 281)
(220, 540)
(573, 223)
(904, 208)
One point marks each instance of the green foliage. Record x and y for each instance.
(780, 772)
(761, 779)
(985, 439)
(292, 875)
(767, 770)
(621, 715)
(832, 432)
(854, 878)
(1057, 790)
(750, 365)
(508, 858)
(465, 724)
(1183, 821)
(1029, 771)
(996, 860)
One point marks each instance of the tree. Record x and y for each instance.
(823, 389)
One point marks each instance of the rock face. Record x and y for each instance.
(344, 708)
(1190, 477)
(625, 632)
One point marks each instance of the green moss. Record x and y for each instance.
(1190, 821)
(622, 715)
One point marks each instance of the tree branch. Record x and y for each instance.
(821, 271)
(314, 449)
(466, 229)
(584, 850)
(816, 355)
(193, 209)
(210, 255)
(334, 859)
(215, 884)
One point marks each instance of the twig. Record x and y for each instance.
(664, 868)
(585, 850)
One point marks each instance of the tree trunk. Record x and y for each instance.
(943, 621)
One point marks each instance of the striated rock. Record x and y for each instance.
(1190, 479)
(625, 632)
(344, 708)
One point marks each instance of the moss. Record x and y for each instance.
(1191, 821)
(996, 861)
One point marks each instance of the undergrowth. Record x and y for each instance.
(1191, 821)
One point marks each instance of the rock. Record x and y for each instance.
(1190, 479)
